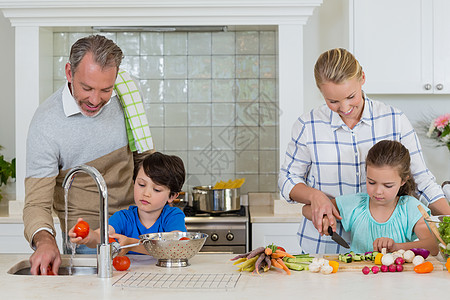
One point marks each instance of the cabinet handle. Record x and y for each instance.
(440, 86)
(427, 86)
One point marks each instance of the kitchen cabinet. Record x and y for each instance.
(13, 241)
(403, 45)
(282, 234)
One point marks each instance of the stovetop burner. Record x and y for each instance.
(190, 211)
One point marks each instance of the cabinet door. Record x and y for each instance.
(441, 37)
(281, 234)
(393, 42)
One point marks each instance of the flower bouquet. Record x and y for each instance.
(440, 130)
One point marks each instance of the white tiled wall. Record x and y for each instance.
(211, 98)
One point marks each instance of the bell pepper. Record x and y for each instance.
(425, 267)
(447, 264)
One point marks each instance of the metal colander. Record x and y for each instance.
(170, 250)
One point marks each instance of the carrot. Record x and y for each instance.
(240, 260)
(268, 251)
(255, 252)
(280, 261)
(240, 256)
(269, 263)
(258, 262)
(284, 253)
(276, 264)
(277, 255)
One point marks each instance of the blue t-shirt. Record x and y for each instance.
(356, 218)
(126, 221)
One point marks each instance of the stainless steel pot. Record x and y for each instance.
(207, 199)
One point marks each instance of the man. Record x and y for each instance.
(81, 123)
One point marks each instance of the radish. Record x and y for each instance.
(399, 261)
(399, 268)
(366, 270)
(384, 268)
(375, 269)
(392, 268)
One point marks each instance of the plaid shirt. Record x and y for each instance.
(324, 153)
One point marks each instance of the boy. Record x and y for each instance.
(158, 178)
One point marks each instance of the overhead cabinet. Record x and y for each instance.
(403, 45)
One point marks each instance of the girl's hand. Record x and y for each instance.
(78, 240)
(384, 242)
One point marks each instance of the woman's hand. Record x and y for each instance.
(384, 242)
(322, 207)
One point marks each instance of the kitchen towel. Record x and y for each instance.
(138, 131)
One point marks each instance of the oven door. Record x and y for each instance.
(222, 237)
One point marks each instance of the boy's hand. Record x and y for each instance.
(78, 240)
(384, 242)
(123, 241)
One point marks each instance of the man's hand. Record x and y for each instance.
(321, 208)
(47, 253)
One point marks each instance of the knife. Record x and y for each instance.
(337, 238)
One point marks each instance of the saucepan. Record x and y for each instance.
(172, 249)
(208, 199)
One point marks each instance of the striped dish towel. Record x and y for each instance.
(138, 131)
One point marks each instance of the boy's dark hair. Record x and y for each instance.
(163, 169)
(393, 154)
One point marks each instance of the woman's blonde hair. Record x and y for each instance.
(336, 65)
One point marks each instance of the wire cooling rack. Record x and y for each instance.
(178, 281)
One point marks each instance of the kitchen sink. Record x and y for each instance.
(84, 265)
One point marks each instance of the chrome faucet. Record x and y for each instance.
(104, 256)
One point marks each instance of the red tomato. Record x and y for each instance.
(111, 240)
(121, 263)
(81, 229)
(184, 238)
(281, 248)
(49, 270)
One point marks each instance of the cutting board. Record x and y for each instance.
(358, 265)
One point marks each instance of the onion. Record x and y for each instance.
(420, 251)
(408, 256)
(387, 259)
(418, 260)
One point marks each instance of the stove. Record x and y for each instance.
(228, 232)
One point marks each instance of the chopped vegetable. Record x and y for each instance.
(387, 259)
(447, 264)
(334, 265)
(378, 259)
(408, 256)
(326, 269)
(314, 267)
(425, 267)
(418, 260)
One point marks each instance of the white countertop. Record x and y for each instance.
(273, 284)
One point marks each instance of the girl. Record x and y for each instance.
(158, 178)
(325, 155)
(387, 215)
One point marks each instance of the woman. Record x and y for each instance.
(326, 155)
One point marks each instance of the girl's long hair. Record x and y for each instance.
(395, 155)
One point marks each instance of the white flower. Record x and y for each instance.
(431, 129)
